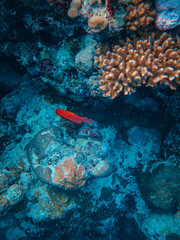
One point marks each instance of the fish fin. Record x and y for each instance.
(86, 120)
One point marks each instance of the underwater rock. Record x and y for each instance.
(140, 146)
(6, 179)
(84, 61)
(67, 164)
(3, 205)
(137, 136)
(160, 226)
(4, 128)
(168, 14)
(177, 218)
(51, 203)
(160, 189)
(171, 145)
(9, 79)
(12, 196)
(15, 232)
(65, 57)
(144, 104)
(172, 236)
(101, 169)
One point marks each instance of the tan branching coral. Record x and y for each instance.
(139, 14)
(139, 62)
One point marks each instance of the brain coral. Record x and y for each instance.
(139, 62)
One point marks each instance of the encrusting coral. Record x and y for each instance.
(139, 62)
(97, 24)
(139, 15)
(74, 7)
(69, 175)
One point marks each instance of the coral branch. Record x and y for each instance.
(139, 15)
(134, 64)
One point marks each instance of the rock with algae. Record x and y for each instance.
(67, 164)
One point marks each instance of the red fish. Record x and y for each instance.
(71, 116)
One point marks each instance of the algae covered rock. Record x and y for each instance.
(160, 189)
(65, 162)
(84, 61)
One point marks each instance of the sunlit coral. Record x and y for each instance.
(149, 62)
(139, 15)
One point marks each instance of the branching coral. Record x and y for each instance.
(139, 15)
(139, 62)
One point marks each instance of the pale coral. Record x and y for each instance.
(74, 7)
(76, 4)
(97, 24)
(139, 15)
(73, 13)
(139, 62)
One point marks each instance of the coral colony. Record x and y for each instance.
(89, 120)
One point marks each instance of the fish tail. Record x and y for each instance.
(86, 120)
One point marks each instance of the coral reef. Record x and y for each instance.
(117, 178)
(139, 14)
(139, 62)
